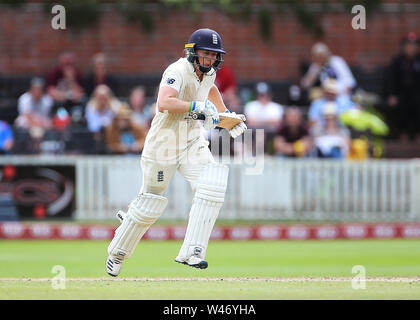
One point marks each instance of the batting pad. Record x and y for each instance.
(206, 204)
(142, 212)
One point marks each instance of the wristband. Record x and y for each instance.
(191, 107)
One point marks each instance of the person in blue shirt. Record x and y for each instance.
(6, 138)
(330, 94)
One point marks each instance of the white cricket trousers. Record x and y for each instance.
(158, 174)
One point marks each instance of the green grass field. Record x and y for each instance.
(237, 270)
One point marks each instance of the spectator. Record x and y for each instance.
(123, 135)
(34, 107)
(64, 82)
(78, 138)
(98, 75)
(142, 113)
(263, 112)
(403, 83)
(331, 140)
(101, 108)
(296, 96)
(325, 65)
(6, 138)
(292, 139)
(330, 94)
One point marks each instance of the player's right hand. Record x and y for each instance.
(209, 110)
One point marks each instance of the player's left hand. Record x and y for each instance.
(240, 128)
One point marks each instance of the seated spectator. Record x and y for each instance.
(142, 113)
(296, 96)
(6, 138)
(402, 91)
(263, 113)
(331, 140)
(34, 108)
(64, 83)
(101, 108)
(292, 139)
(325, 65)
(123, 135)
(330, 94)
(98, 75)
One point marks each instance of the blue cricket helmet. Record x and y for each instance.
(205, 39)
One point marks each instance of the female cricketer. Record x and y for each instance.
(176, 142)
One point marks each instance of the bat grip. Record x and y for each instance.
(198, 116)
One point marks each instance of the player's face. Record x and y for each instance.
(206, 58)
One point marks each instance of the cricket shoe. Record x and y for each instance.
(113, 265)
(193, 261)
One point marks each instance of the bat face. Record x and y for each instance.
(228, 122)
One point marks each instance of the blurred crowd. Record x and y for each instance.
(67, 112)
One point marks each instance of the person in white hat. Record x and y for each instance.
(330, 94)
(331, 139)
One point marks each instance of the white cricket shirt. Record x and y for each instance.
(170, 134)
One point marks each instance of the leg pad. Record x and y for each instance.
(142, 212)
(207, 201)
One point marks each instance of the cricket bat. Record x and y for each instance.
(227, 120)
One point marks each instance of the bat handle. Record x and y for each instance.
(198, 116)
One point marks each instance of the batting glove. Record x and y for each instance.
(240, 128)
(209, 110)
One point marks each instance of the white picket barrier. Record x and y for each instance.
(298, 189)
